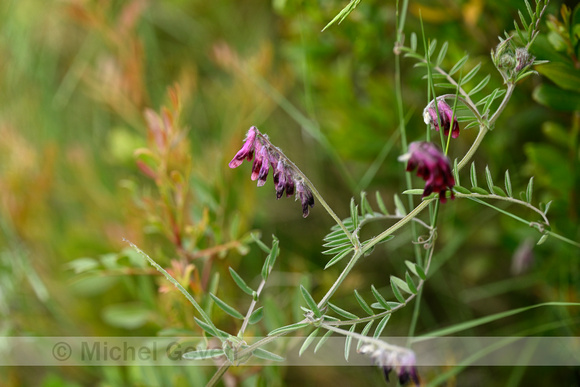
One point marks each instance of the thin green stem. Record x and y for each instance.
(474, 146)
(218, 375)
(373, 242)
(400, 112)
(366, 339)
(345, 272)
(360, 251)
(504, 102)
(396, 308)
(315, 192)
(564, 239)
(252, 306)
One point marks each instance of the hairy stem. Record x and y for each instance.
(315, 192)
(370, 340)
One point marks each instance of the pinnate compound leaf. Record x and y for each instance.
(442, 53)
(508, 184)
(337, 258)
(498, 191)
(338, 249)
(308, 341)
(414, 191)
(530, 190)
(209, 329)
(401, 210)
(322, 341)
(241, 283)
(473, 175)
(288, 328)
(343, 13)
(310, 301)
(381, 203)
(203, 354)
(479, 190)
(381, 326)
(226, 308)
(266, 355)
(342, 312)
(261, 244)
(458, 65)
(363, 304)
(401, 284)
(547, 207)
(542, 239)
(416, 269)
(381, 300)
(461, 190)
(488, 178)
(480, 85)
(471, 74)
(397, 292)
(348, 342)
(410, 283)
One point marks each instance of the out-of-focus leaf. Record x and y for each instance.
(557, 98)
(126, 315)
(257, 315)
(562, 74)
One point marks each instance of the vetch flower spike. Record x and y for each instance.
(391, 358)
(446, 115)
(286, 175)
(432, 166)
(247, 151)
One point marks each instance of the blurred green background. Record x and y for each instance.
(118, 119)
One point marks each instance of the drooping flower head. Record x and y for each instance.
(432, 166)
(391, 358)
(247, 151)
(446, 115)
(286, 178)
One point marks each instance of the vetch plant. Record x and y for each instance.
(345, 241)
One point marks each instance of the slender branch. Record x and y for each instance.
(400, 306)
(506, 98)
(355, 335)
(218, 374)
(476, 143)
(454, 83)
(383, 217)
(315, 192)
(357, 254)
(251, 308)
(373, 242)
(507, 199)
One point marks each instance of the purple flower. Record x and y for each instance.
(432, 166)
(446, 114)
(286, 178)
(523, 257)
(393, 358)
(247, 151)
(306, 197)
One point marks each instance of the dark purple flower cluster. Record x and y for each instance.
(268, 156)
(446, 115)
(432, 166)
(401, 361)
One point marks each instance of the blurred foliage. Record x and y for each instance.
(118, 118)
